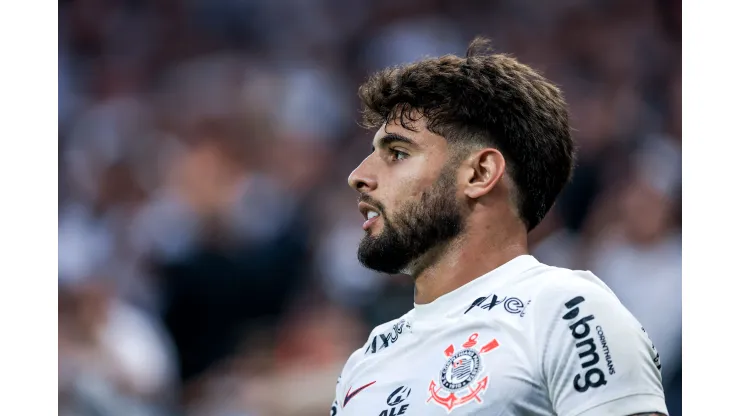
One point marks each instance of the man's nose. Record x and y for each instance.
(361, 179)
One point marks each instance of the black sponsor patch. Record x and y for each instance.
(586, 346)
(384, 340)
(396, 402)
(510, 304)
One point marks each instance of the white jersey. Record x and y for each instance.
(523, 339)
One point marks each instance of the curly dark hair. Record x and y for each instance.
(484, 99)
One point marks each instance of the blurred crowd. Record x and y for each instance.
(207, 236)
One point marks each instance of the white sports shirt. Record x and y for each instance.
(523, 339)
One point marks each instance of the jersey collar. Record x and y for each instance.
(446, 303)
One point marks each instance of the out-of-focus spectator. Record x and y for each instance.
(637, 249)
(113, 358)
(247, 256)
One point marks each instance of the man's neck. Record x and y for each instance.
(461, 262)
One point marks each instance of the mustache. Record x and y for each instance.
(369, 200)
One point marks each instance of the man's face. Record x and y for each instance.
(408, 195)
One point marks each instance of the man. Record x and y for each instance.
(470, 154)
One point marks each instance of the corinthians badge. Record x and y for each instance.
(460, 380)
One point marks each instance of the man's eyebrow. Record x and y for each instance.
(389, 138)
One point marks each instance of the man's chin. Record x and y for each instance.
(381, 267)
(379, 260)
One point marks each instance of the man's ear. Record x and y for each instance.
(483, 170)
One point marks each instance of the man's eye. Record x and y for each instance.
(398, 155)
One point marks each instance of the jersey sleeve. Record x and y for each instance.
(335, 408)
(595, 357)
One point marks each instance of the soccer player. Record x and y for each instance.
(469, 155)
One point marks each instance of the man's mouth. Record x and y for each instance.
(372, 219)
(370, 213)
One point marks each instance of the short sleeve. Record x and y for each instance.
(596, 358)
(335, 408)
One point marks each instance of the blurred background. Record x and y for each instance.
(207, 237)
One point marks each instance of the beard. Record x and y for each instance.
(418, 227)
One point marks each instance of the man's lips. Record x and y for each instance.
(369, 223)
(370, 213)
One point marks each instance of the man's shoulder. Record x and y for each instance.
(544, 288)
(546, 281)
(555, 291)
(539, 288)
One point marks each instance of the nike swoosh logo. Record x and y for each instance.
(351, 394)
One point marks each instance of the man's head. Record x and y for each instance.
(482, 136)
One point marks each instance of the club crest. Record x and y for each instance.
(461, 378)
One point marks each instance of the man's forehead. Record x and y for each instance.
(414, 123)
(393, 127)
